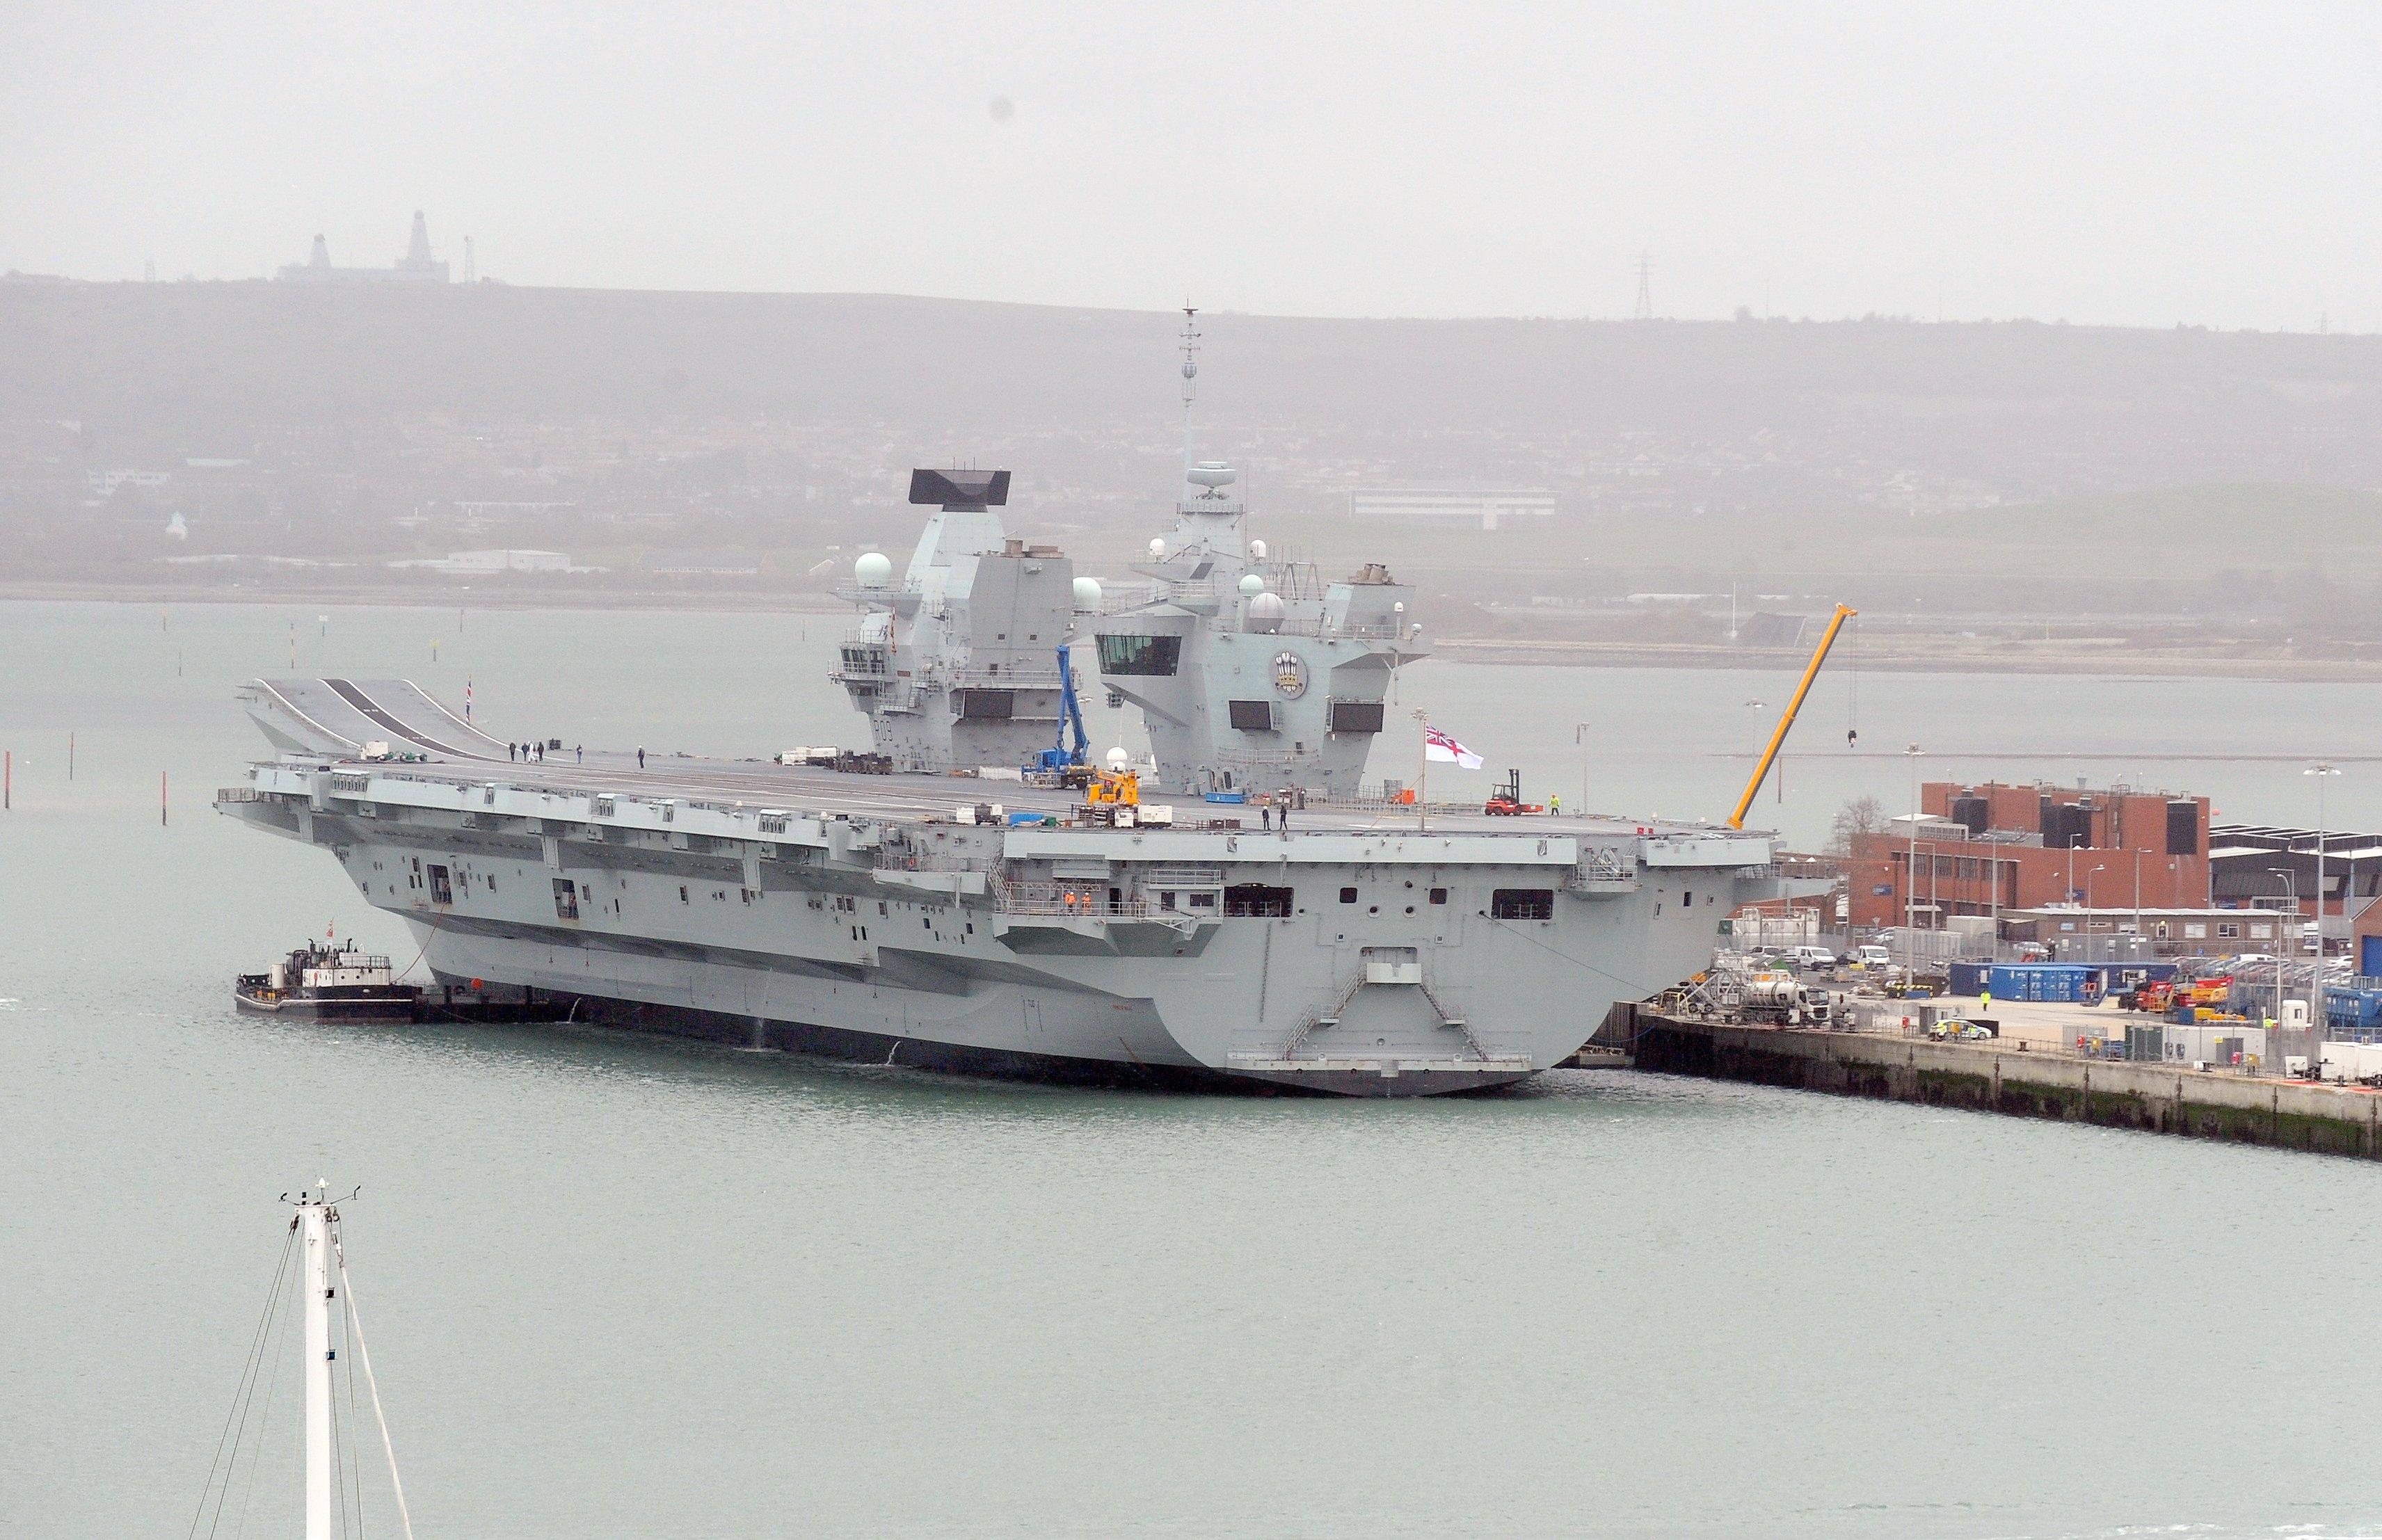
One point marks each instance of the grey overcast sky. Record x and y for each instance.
(2123, 163)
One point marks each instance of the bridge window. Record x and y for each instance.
(1140, 654)
(1253, 899)
(1522, 903)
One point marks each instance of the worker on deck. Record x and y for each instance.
(1555, 806)
(1984, 997)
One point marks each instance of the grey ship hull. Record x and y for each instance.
(855, 915)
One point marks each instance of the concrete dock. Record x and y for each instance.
(2005, 1077)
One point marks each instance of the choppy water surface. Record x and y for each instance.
(630, 1288)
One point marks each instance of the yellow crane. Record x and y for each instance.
(1778, 737)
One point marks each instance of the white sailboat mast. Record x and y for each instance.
(314, 1237)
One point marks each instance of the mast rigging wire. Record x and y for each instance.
(243, 1391)
(372, 1382)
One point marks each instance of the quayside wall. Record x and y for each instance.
(1989, 1077)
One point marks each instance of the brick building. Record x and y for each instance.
(1986, 848)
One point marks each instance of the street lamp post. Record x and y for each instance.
(1580, 739)
(1910, 875)
(2291, 886)
(2322, 772)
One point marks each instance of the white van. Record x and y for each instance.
(1812, 958)
(1871, 954)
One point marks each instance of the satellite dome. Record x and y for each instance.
(1257, 549)
(1118, 759)
(1157, 548)
(874, 570)
(1252, 585)
(1088, 593)
(1267, 613)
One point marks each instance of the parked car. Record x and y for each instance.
(1963, 1030)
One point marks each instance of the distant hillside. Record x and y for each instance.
(2026, 410)
(2173, 537)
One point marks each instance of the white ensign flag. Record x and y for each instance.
(1438, 746)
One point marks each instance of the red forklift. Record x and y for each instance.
(1506, 800)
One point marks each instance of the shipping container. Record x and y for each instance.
(2062, 981)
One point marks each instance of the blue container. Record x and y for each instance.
(2039, 981)
(1233, 798)
(1966, 978)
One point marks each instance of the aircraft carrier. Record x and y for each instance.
(976, 892)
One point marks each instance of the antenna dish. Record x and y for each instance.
(1257, 550)
(1267, 613)
(1118, 759)
(1088, 593)
(1157, 548)
(873, 571)
(1252, 585)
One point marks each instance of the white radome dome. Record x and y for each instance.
(874, 569)
(1267, 613)
(1252, 585)
(1257, 549)
(1088, 593)
(1157, 548)
(1118, 759)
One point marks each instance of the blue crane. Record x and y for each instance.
(1059, 758)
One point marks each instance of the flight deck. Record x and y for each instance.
(337, 718)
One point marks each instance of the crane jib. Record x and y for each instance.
(1787, 718)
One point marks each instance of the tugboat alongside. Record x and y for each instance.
(323, 982)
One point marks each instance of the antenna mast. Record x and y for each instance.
(1190, 378)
